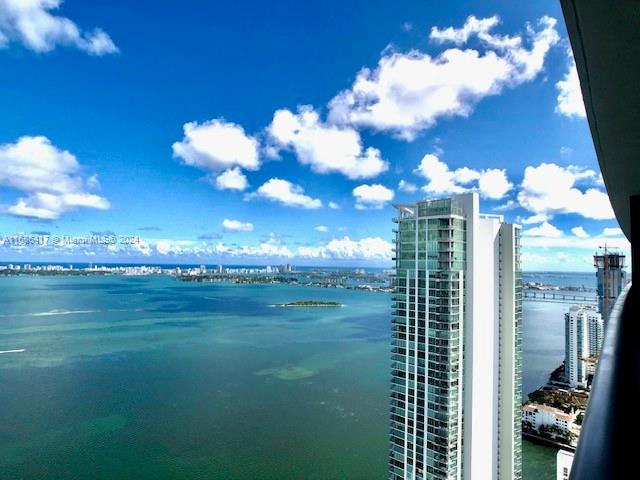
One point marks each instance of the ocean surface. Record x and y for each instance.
(149, 378)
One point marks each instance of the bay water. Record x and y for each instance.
(151, 378)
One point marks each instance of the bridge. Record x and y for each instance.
(558, 296)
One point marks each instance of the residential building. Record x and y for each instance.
(457, 343)
(546, 416)
(564, 460)
(583, 332)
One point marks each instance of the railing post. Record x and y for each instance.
(635, 239)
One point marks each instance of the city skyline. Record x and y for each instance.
(216, 137)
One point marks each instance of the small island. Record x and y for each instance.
(308, 303)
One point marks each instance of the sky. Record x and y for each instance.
(284, 131)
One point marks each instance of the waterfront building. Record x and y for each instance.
(546, 416)
(611, 279)
(583, 339)
(595, 328)
(456, 344)
(564, 460)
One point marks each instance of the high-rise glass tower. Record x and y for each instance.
(583, 338)
(611, 279)
(456, 354)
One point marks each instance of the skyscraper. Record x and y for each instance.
(583, 338)
(456, 344)
(611, 279)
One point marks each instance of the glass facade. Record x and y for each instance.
(437, 274)
(426, 348)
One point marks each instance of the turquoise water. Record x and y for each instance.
(151, 378)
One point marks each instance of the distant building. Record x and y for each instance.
(611, 279)
(545, 416)
(219, 269)
(456, 344)
(286, 268)
(583, 338)
(595, 328)
(564, 460)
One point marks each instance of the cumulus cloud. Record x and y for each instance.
(373, 196)
(550, 188)
(321, 228)
(409, 92)
(407, 187)
(544, 230)
(533, 219)
(570, 102)
(217, 145)
(232, 179)
(49, 178)
(490, 183)
(236, 226)
(34, 24)
(580, 232)
(325, 148)
(334, 206)
(140, 247)
(370, 248)
(480, 27)
(286, 193)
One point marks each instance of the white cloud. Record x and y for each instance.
(580, 232)
(50, 178)
(236, 226)
(217, 145)
(570, 102)
(550, 188)
(334, 206)
(286, 193)
(373, 196)
(545, 230)
(370, 248)
(505, 207)
(566, 152)
(533, 219)
(573, 241)
(476, 27)
(409, 92)
(141, 247)
(168, 247)
(612, 232)
(321, 228)
(32, 23)
(232, 179)
(491, 183)
(407, 187)
(325, 148)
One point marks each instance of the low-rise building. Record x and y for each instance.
(544, 415)
(564, 460)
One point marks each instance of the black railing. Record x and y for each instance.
(607, 446)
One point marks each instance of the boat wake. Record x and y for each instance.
(60, 312)
(20, 350)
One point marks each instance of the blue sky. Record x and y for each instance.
(264, 132)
